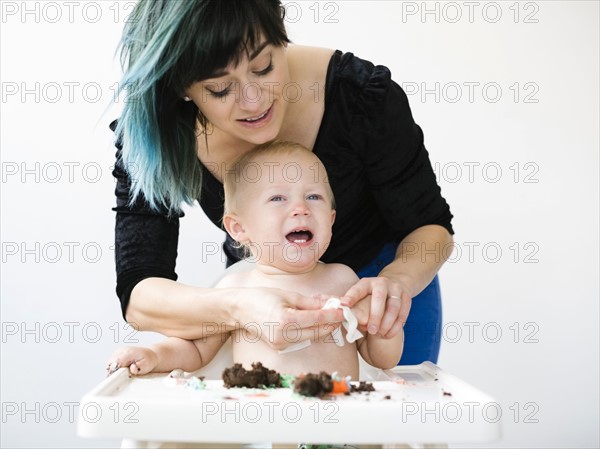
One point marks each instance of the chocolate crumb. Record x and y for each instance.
(387, 396)
(446, 393)
(258, 377)
(314, 385)
(362, 386)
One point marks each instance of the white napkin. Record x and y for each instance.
(350, 323)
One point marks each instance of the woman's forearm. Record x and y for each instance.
(180, 310)
(419, 257)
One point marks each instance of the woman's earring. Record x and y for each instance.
(187, 99)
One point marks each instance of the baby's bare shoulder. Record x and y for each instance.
(342, 274)
(340, 269)
(233, 280)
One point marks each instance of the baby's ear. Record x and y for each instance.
(234, 228)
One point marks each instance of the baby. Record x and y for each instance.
(280, 208)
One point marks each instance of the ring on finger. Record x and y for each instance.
(394, 297)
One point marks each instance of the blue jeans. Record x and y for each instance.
(423, 328)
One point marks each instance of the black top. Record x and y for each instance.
(377, 164)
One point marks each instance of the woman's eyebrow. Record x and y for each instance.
(252, 56)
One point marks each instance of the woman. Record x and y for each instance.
(208, 80)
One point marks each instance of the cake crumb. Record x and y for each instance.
(258, 377)
(362, 386)
(314, 385)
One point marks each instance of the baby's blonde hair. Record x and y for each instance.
(234, 178)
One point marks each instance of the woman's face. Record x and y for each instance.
(246, 101)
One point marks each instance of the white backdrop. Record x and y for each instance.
(507, 95)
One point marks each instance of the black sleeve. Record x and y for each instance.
(398, 169)
(145, 240)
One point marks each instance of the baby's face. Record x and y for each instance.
(285, 209)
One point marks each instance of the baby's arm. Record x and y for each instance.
(168, 355)
(173, 353)
(376, 350)
(381, 352)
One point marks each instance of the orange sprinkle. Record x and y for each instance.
(340, 386)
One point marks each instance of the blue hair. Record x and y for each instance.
(167, 45)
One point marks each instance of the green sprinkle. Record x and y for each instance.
(196, 383)
(287, 380)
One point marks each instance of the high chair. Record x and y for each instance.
(144, 412)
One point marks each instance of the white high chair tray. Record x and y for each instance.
(419, 403)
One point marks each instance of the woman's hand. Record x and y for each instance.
(380, 303)
(177, 310)
(139, 360)
(281, 318)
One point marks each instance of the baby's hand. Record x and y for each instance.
(139, 360)
(361, 311)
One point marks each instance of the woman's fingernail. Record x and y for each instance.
(372, 330)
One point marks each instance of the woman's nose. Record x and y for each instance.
(250, 96)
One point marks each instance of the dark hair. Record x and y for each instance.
(168, 45)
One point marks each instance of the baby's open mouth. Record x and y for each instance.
(300, 236)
